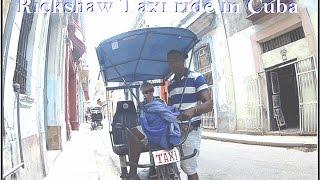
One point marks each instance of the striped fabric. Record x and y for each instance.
(195, 82)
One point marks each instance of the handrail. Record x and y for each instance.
(16, 88)
(12, 170)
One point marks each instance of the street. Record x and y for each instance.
(218, 160)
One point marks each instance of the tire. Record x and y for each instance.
(168, 171)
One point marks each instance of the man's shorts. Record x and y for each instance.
(190, 166)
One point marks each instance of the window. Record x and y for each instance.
(20, 73)
(202, 62)
(202, 58)
(282, 40)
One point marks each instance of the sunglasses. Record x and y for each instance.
(147, 91)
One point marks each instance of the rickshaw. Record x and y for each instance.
(132, 58)
(96, 117)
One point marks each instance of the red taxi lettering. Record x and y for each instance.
(171, 156)
(175, 154)
(165, 157)
(159, 157)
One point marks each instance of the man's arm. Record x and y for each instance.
(206, 106)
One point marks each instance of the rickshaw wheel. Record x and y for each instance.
(167, 172)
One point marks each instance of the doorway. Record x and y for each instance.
(284, 99)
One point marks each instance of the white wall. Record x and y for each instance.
(243, 68)
(31, 103)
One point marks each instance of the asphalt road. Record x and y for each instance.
(223, 161)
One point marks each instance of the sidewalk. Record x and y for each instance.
(77, 159)
(266, 140)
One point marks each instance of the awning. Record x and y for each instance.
(142, 54)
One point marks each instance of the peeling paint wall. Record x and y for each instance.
(247, 60)
(223, 75)
(243, 69)
(235, 22)
(31, 119)
(55, 82)
(5, 9)
(313, 12)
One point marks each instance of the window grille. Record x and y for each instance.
(20, 73)
(203, 59)
(202, 63)
(282, 40)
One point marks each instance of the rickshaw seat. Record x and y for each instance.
(126, 115)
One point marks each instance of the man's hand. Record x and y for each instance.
(187, 114)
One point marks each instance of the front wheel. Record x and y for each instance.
(93, 126)
(168, 171)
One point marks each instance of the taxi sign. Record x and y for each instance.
(162, 157)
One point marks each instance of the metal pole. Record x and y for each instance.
(16, 88)
(12, 170)
(260, 104)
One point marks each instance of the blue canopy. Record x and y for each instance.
(141, 55)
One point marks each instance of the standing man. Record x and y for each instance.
(195, 100)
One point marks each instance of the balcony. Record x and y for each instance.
(262, 8)
(75, 34)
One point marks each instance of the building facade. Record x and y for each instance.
(261, 68)
(34, 116)
(280, 53)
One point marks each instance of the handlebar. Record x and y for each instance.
(129, 163)
(188, 130)
(195, 151)
(121, 126)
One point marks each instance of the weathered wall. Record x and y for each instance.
(312, 8)
(10, 141)
(33, 159)
(31, 119)
(251, 56)
(55, 78)
(5, 9)
(235, 22)
(244, 73)
(223, 75)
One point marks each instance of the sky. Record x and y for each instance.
(98, 27)
(101, 25)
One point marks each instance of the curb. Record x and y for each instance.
(261, 143)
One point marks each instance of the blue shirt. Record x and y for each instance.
(195, 82)
(159, 123)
